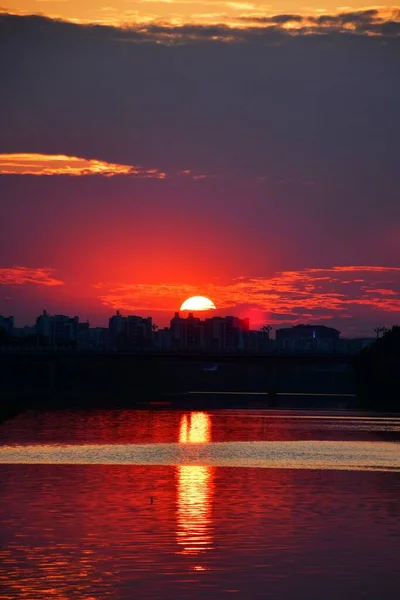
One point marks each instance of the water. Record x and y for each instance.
(168, 505)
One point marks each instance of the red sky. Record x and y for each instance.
(256, 164)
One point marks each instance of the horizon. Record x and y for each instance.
(257, 317)
(196, 314)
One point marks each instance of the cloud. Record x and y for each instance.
(59, 164)
(24, 275)
(275, 19)
(257, 28)
(384, 22)
(240, 5)
(308, 294)
(268, 29)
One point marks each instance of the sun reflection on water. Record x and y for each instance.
(194, 491)
(195, 428)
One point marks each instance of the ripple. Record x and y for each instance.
(275, 454)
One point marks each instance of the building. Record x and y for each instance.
(307, 338)
(57, 330)
(66, 330)
(187, 334)
(139, 332)
(226, 334)
(28, 331)
(130, 333)
(216, 334)
(177, 332)
(162, 340)
(45, 327)
(7, 324)
(116, 329)
(354, 345)
(259, 342)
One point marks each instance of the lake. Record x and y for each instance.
(170, 504)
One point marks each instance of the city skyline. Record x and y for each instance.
(188, 333)
(9, 324)
(318, 307)
(152, 151)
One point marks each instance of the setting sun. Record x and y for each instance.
(198, 303)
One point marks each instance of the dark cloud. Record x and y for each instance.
(277, 19)
(388, 28)
(365, 21)
(354, 18)
(33, 26)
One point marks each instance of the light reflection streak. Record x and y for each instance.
(194, 491)
(195, 429)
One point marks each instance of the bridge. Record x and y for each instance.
(211, 357)
(112, 379)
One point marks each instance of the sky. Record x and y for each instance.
(155, 150)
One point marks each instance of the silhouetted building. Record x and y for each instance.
(259, 342)
(307, 338)
(187, 334)
(216, 334)
(139, 332)
(354, 345)
(82, 327)
(58, 330)
(177, 332)
(24, 332)
(130, 333)
(66, 329)
(226, 334)
(45, 327)
(117, 329)
(7, 324)
(162, 340)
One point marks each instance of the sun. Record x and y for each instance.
(198, 303)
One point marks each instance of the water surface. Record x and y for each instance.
(157, 512)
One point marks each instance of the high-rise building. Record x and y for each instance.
(226, 334)
(45, 326)
(162, 339)
(117, 330)
(187, 334)
(139, 332)
(177, 332)
(216, 334)
(57, 329)
(66, 329)
(7, 323)
(130, 333)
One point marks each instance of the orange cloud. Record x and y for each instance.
(319, 294)
(59, 164)
(181, 20)
(22, 275)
